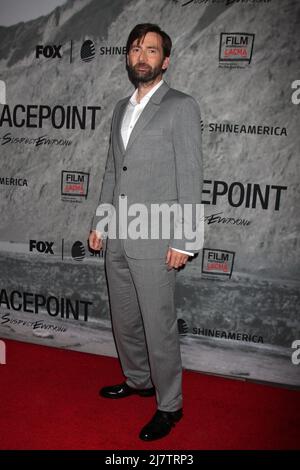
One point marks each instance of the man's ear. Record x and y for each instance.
(166, 63)
(127, 58)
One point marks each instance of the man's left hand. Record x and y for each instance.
(175, 259)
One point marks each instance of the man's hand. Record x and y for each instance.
(95, 241)
(175, 259)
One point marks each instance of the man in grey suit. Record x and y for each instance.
(154, 158)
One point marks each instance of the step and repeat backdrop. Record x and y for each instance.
(60, 76)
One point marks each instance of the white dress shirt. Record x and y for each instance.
(132, 113)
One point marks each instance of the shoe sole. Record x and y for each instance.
(142, 393)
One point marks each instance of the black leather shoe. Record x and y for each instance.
(123, 390)
(160, 425)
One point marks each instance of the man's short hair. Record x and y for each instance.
(140, 31)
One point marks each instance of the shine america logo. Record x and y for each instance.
(88, 51)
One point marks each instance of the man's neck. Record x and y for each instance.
(144, 88)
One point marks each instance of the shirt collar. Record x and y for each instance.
(148, 95)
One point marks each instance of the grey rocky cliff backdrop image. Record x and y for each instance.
(258, 95)
(262, 296)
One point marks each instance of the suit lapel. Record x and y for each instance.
(149, 111)
(119, 123)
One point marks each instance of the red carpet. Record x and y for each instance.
(50, 400)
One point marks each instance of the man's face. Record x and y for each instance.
(145, 61)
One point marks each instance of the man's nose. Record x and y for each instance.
(143, 55)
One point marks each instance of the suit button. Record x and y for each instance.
(122, 195)
(124, 168)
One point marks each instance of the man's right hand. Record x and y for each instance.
(95, 240)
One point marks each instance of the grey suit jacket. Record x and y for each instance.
(163, 164)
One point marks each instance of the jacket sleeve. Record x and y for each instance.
(187, 143)
(109, 179)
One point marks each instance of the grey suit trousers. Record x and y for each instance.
(141, 293)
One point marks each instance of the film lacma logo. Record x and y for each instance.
(236, 49)
(74, 185)
(2, 352)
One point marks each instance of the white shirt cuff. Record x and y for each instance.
(182, 251)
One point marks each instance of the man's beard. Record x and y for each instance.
(145, 75)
